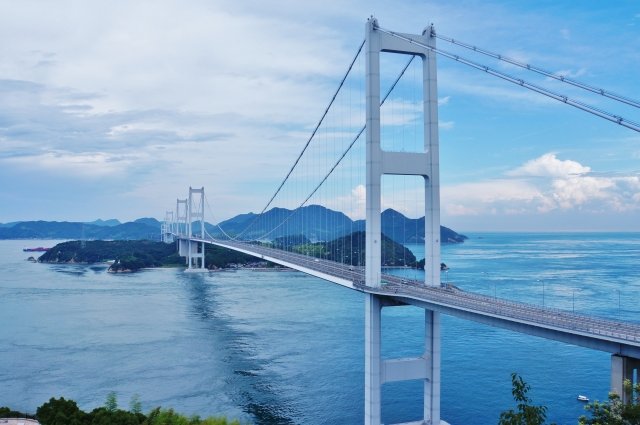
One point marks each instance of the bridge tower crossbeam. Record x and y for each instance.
(426, 165)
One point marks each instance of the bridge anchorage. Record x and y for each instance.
(621, 339)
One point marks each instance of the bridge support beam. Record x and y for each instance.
(623, 368)
(372, 360)
(379, 371)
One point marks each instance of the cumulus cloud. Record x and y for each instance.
(543, 185)
(548, 165)
(85, 164)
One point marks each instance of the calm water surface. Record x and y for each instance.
(283, 348)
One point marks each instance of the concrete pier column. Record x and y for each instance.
(622, 368)
(372, 360)
(432, 355)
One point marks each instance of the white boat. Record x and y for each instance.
(583, 398)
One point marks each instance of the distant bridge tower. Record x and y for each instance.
(182, 207)
(425, 164)
(195, 211)
(167, 228)
(181, 216)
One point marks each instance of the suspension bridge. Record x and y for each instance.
(401, 141)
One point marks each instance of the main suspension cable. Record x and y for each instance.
(577, 104)
(344, 154)
(555, 76)
(313, 133)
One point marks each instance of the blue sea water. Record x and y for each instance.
(284, 348)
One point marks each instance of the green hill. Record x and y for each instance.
(134, 255)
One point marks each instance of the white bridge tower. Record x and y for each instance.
(195, 211)
(425, 164)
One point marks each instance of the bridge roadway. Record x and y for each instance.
(607, 335)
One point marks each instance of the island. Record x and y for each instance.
(132, 255)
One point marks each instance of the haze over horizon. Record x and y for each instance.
(113, 109)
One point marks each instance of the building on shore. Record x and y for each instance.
(18, 421)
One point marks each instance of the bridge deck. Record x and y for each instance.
(598, 333)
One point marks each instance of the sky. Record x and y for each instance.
(112, 109)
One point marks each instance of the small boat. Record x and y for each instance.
(38, 249)
(583, 398)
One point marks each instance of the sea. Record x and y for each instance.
(270, 347)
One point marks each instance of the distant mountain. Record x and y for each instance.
(13, 223)
(108, 223)
(149, 221)
(318, 223)
(411, 230)
(315, 222)
(75, 230)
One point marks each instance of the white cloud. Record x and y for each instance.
(543, 185)
(85, 164)
(164, 94)
(444, 100)
(446, 125)
(549, 165)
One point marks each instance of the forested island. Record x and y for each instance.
(129, 256)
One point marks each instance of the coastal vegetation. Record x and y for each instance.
(349, 249)
(614, 411)
(525, 413)
(127, 256)
(60, 411)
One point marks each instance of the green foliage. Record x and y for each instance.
(6, 412)
(128, 255)
(60, 412)
(222, 257)
(66, 412)
(104, 416)
(525, 413)
(349, 249)
(160, 416)
(615, 411)
(135, 406)
(111, 403)
(311, 249)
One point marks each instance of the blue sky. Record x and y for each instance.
(111, 109)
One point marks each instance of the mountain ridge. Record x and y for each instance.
(314, 222)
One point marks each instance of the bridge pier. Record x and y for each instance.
(379, 371)
(195, 256)
(623, 368)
